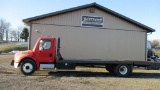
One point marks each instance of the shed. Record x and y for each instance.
(92, 31)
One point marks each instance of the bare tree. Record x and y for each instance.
(4, 29)
(13, 35)
(155, 43)
(19, 30)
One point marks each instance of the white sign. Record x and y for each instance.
(92, 21)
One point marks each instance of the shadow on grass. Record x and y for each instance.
(86, 74)
(145, 75)
(80, 74)
(101, 74)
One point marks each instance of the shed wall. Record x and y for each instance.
(74, 19)
(117, 40)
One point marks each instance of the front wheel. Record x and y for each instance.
(27, 67)
(123, 70)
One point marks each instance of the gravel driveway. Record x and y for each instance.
(80, 79)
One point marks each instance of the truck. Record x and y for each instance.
(46, 55)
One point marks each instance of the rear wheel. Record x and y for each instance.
(27, 67)
(123, 70)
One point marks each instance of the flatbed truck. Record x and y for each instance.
(46, 55)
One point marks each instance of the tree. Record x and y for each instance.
(155, 43)
(19, 29)
(13, 35)
(25, 34)
(4, 29)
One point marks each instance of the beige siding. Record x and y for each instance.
(77, 42)
(93, 43)
(74, 19)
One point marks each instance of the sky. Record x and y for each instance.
(146, 12)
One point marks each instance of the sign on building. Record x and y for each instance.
(92, 21)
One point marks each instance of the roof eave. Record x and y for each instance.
(56, 13)
(28, 20)
(126, 18)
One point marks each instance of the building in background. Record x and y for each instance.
(92, 31)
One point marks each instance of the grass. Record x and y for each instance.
(6, 49)
(157, 52)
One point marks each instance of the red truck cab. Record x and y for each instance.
(42, 56)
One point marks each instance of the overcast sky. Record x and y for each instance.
(146, 12)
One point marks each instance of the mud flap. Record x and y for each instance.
(12, 63)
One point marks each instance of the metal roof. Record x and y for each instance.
(149, 29)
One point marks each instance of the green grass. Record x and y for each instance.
(6, 49)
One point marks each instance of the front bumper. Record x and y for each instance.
(14, 64)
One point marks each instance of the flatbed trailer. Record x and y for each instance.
(82, 62)
(36, 59)
(110, 65)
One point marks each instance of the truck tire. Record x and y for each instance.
(123, 70)
(27, 67)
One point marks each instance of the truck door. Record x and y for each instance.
(45, 53)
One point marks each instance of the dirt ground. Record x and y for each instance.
(80, 79)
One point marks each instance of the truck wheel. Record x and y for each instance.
(123, 70)
(27, 67)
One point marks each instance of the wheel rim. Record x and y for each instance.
(27, 67)
(123, 70)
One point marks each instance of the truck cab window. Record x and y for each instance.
(44, 44)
